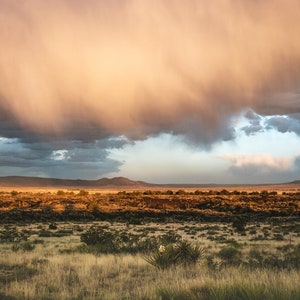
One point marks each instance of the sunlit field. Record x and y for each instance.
(150, 245)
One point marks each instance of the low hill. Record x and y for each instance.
(295, 182)
(18, 181)
(116, 182)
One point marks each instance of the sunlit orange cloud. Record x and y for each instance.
(137, 68)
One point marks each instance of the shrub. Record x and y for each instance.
(197, 192)
(292, 258)
(12, 235)
(45, 233)
(52, 226)
(224, 192)
(101, 240)
(26, 246)
(93, 206)
(169, 192)
(255, 258)
(239, 224)
(289, 260)
(39, 261)
(188, 254)
(182, 253)
(235, 192)
(163, 257)
(273, 193)
(83, 193)
(148, 192)
(181, 192)
(230, 255)
(95, 235)
(169, 237)
(214, 263)
(14, 193)
(264, 193)
(10, 273)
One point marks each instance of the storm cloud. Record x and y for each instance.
(282, 123)
(289, 123)
(255, 123)
(90, 70)
(80, 78)
(67, 159)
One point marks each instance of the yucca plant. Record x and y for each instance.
(188, 254)
(163, 257)
(183, 253)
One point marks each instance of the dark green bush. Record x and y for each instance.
(169, 192)
(169, 237)
(239, 224)
(102, 240)
(10, 273)
(52, 226)
(26, 246)
(230, 255)
(289, 260)
(181, 192)
(292, 258)
(12, 235)
(45, 233)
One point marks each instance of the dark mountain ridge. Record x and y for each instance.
(24, 181)
(295, 182)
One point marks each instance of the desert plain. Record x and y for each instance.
(171, 242)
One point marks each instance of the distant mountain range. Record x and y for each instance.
(22, 181)
(18, 181)
(295, 182)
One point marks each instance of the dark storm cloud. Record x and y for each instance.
(254, 123)
(69, 159)
(283, 124)
(89, 70)
(200, 134)
(297, 162)
(74, 75)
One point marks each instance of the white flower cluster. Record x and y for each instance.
(161, 248)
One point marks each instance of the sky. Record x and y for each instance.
(161, 91)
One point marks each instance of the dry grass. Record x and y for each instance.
(80, 276)
(46, 273)
(84, 276)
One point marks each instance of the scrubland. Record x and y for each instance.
(198, 204)
(150, 245)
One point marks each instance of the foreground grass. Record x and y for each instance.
(104, 260)
(84, 276)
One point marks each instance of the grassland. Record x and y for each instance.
(87, 245)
